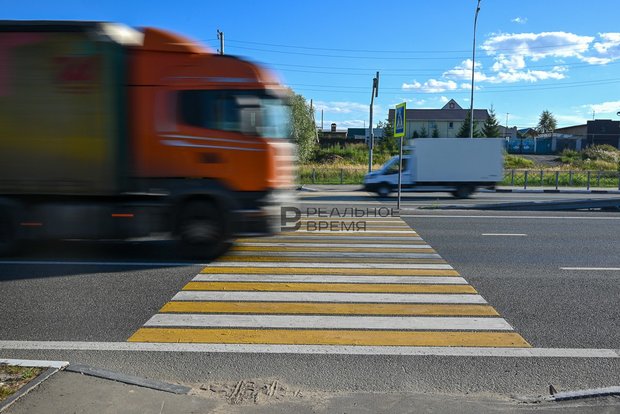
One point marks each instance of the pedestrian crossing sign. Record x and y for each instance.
(399, 120)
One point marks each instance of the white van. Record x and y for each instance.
(456, 165)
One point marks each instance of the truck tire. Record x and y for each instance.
(384, 190)
(8, 232)
(463, 191)
(204, 230)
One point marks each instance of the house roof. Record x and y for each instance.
(441, 114)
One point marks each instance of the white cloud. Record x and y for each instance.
(519, 20)
(526, 76)
(431, 86)
(340, 107)
(606, 50)
(463, 71)
(349, 123)
(537, 46)
(510, 62)
(569, 120)
(610, 107)
(444, 99)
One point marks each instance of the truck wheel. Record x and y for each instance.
(384, 190)
(463, 191)
(204, 230)
(8, 233)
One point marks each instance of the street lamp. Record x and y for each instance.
(371, 136)
(473, 69)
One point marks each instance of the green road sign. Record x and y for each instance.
(399, 120)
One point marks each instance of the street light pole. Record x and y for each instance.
(371, 136)
(473, 69)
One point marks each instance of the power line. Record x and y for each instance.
(462, 91)
(395, 51)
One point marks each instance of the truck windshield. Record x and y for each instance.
(250, 112)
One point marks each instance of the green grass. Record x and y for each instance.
(13, 378)
(354, 174)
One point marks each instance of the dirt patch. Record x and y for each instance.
(250, 392)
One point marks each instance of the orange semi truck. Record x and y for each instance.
(109, 132)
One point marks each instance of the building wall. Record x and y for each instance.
(444, 128)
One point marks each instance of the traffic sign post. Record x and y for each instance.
(399, 132)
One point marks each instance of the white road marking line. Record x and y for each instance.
(334, 297)
(615, 269)
(329, 322)
(413, 215)
(325, 237)
(358, 231)
(505, 234)
(313, 349)
(360, 255)
(35, 363)
(355, 245)
(334, 265)
(87, 263)
(434, 280)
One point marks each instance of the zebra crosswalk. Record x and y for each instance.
(380, 286)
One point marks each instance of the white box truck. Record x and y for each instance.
(456, 165)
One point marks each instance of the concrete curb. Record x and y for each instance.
(52, 368)
(128, 379)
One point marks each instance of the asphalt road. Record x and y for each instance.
(104, 293)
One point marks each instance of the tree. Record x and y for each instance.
(435, 132)
(303, 129)
(546, 122)
(415, 134)
(388, 143)
(490, 129)
(464, 131)
(423, 133)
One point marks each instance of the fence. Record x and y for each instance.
(564, 178)
(514, 178)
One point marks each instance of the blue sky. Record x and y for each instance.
(532, 55)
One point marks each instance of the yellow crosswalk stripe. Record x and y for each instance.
(329, 337)
(327, 287)
(326, 259)
(323, 240)
(343, 233)
(293, 308)
(242, 248)
(328, 271)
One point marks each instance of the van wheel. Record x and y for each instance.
(384, 190)
(463, 191)
(204, 230)
(8, 233)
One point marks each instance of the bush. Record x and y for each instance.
(514, 161)
(595, 157)
(349, 154)
(569, 156)
(602, 153)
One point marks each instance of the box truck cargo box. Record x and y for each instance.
(456, 165)
(112, 132)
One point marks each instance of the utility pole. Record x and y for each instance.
(473, 70)
(371, 142)
(316, 133)
(220, 36)
(506, 131)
